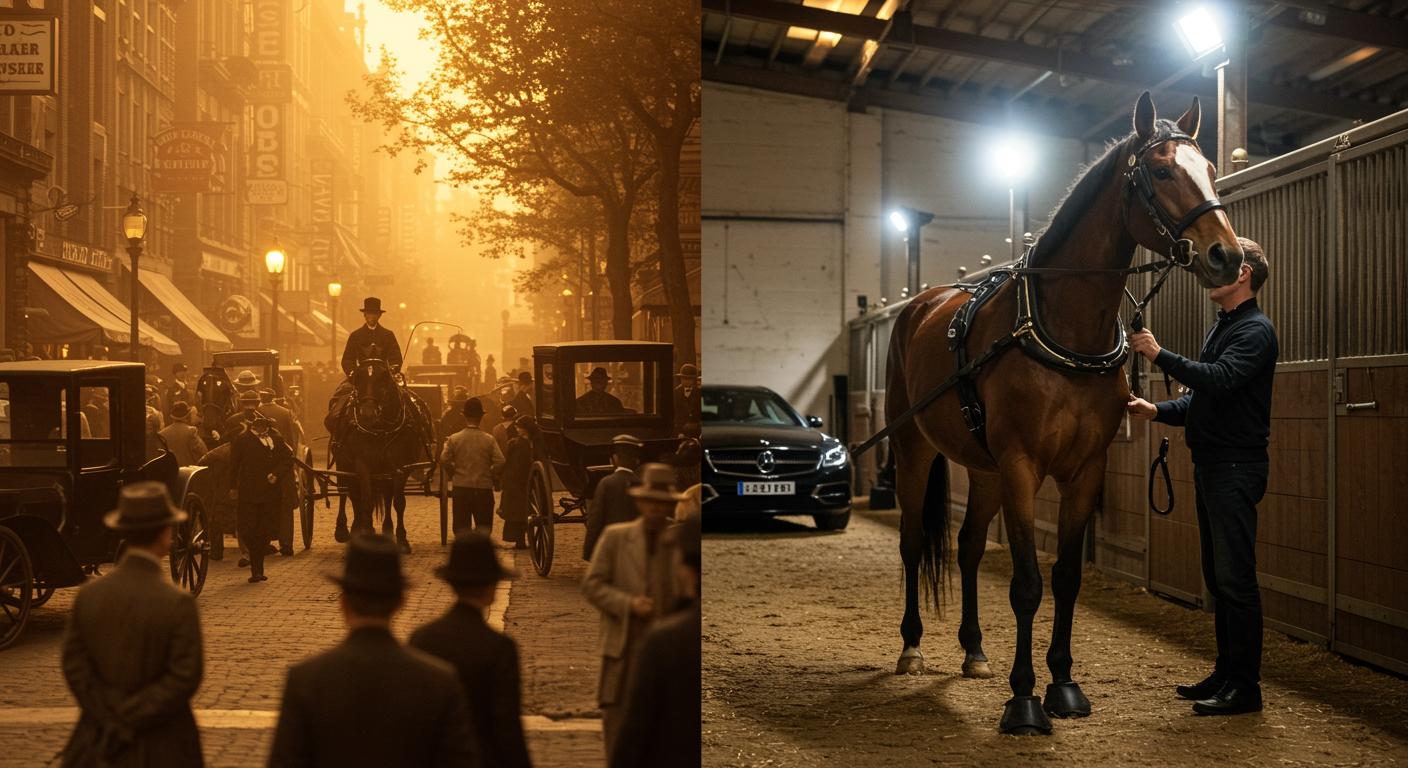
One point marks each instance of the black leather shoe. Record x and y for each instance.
(243, 563)
(286, 551)
(1233, 699)
(1204, 690)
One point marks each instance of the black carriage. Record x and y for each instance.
(71, 436)
(578, 424)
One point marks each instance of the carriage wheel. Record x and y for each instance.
(540, 520)
(41, 595)
(190, 547)
(306, 488)
(16, 586)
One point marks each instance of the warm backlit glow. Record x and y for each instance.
(134, 222)
(1342, 63)
(274, 259)
(334, 289)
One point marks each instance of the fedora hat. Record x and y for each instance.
(599, 373)
(180, 409)
(249, 398)
(657, 481)
(508, 412)
(688, 371)
(525, 377)
(473, 562)
(628, 440)
(177, 368)
(143, 505)
(247, 379)
(372, 566)
(372, 304)
(473, 408)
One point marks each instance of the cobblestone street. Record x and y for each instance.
(253, 632)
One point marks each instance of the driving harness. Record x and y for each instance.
(1030, 333)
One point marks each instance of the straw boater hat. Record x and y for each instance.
(657, 481)
(372, 304)
(142, 506)
(246, 379)
(473, 562)
(372, 566)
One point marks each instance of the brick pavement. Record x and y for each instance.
(253, 632)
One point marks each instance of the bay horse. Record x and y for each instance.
(383, 429)
(215, 402)
(1051, 411)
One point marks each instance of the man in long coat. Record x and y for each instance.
(283, 421)
(372, 340)
(259, 460)
(687, 399)
(610, 504)
(132, 649)
(181, 438)
(486, 660)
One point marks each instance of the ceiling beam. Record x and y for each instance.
(1365, 28)
(1042, 58)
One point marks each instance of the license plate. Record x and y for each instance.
(775, 488)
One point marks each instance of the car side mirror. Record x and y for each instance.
(814, 421)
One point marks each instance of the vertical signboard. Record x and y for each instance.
(28, 60)
(321, 251)
(267, 180)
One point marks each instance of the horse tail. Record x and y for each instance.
(934, 556)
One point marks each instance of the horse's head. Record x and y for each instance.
(1172, 204)
(214, 392)
(373, 389)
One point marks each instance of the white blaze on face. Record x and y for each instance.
(1190, 160)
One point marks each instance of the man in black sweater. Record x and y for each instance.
(1227, 419)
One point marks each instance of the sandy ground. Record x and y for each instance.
(801, 635)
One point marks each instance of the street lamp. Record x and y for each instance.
(134, 226)
(274, 262)
(334, 290)
(1013, 161)
(909, 221)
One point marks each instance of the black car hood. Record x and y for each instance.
(763, 435)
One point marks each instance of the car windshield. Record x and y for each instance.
(728, 406)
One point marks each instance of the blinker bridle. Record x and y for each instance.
(1139, 184)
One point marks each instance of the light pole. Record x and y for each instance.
(274, 262)
(1013, 160)
(134, 226)
(334, 290)
(909, 221)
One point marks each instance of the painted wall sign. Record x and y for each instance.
(71, 254)
(270, 40)
(192, 157)
(275, 85)
(29, 65)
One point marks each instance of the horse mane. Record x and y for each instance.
(1083, 191)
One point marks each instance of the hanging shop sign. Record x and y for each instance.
(192, 157)
(270, 41)
(29, 65)
(266, 183)
(70, 254)
(275, 85)
(320, 252)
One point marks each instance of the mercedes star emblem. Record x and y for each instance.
(766, 462)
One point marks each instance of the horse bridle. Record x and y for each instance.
(1139, 184)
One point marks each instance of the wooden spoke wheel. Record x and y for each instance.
(540, 520)
(307, 487)
(190, 547)
(41, 595)
(16, 586)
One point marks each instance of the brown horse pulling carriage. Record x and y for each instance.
(956, 392)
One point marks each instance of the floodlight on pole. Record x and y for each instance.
(1013, 160)
(910, 221)
(899, 220)
(1199, 33)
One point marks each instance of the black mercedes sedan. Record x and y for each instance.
(762, 457)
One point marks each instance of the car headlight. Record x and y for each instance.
(835, 457)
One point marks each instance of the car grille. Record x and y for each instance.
(744, 462)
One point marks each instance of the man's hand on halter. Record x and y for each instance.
(1140, 408)
(1143, 342)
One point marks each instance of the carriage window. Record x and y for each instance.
(609, 389)
(546, 403)
(96, 447)
(32, 428)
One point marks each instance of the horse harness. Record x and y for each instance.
(1030, 333)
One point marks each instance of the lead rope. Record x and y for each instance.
(1136, 323)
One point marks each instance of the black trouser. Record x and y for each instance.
(258, 524)
(473, 506)
(1227, 497)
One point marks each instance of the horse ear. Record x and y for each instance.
(1191, 119)
(1144, 116)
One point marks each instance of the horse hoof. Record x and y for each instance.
(1022, 716)
(977, 669)
(911, 662)
(341, 535)
(404, 547)
(1066, 700)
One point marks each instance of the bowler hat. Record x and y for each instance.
(525, 377)
(177, 368)
(249, 398)
(627, 440)
(247, 379)
(372, 304)
(473, 408)
(180, 409)
(599, 373)
(688, 371)
(473, 562)
(143, 505)
(372, 566)
(657, 481)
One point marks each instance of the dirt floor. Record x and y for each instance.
(801, 636)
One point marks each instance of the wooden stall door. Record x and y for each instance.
(1173, 539)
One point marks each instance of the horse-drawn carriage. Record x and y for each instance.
(586, 393)
(71, 436)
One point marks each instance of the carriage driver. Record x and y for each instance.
(1226, 420)
(372, 340)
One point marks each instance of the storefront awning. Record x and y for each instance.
(82, 310)
(350, 249)
(149, 335)
(185, 312)
(324, 322)
(303, 334)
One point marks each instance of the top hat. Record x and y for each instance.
(688, 371)
(627, 440)
(372, 566)
(247, 379)
(180, 409)
(473, 408)
(525, 377)
(249, 398)
(473, 562)
(177, 368)
(657, 481)
(143, 505)
(372, 304)
(599, 373)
